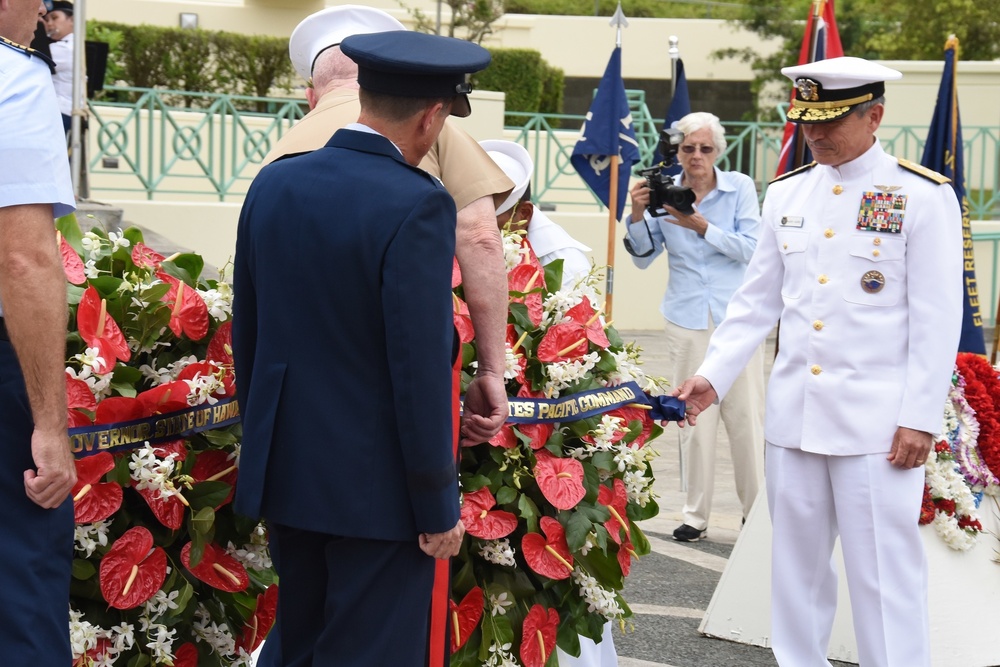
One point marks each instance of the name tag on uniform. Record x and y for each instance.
(792, 221)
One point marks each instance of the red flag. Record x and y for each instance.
(820, 41)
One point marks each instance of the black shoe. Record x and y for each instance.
(686, 533)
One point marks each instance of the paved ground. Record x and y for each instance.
(670, 589)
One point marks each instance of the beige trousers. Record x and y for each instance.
(742, 413)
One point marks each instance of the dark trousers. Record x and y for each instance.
(348, 602)
(37, 543)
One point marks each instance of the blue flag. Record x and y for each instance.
(607, 131)
(680, 106)
(943, 154)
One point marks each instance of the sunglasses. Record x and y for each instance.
(703, 148)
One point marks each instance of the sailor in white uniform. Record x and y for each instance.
(860, 256)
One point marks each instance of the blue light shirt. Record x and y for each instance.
(704, 271)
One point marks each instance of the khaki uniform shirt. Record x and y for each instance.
(456, 158)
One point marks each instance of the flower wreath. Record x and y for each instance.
(164, 571)
(550, 507)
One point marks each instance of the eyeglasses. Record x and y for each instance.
(689, 148)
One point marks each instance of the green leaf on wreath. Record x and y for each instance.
(184, 597)
(207, 494)
(553, 275)
(637, 513)
(126, 389)
(70, 230)
(568, 639)
(83, 569)
(634, 431)
(188, 267)
(74, 294)
(134, 235)
(155, 293)
(220, 437)
(604, 461)
(141, 660)
(519, 312)
(614, 338)
(506, 495)
(639, 542)
(107, 286)
(121, 472)
(591, 482)
(582, 427)
(604, 568)
(474, 483)
(607, 363)
(468, 354)
(529, 512)
(201, 525)
(577, 529)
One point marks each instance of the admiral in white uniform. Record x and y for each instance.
(860, 255)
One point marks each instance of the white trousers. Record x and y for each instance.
(742, 412)
(874, 508)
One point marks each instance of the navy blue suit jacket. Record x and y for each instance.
(342, 338)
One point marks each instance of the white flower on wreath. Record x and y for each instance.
(151, 472)
(599, 600)
(99, 383)
(219, 301)
(88, 536)
(945, 481)
(499, 604)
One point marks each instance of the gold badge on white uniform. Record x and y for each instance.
(872, 282)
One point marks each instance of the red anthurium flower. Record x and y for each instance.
(615, 500)
(78, 394)
(133, 569)
(560, 480)
(526, 392)
(188, 312)
(164, 449)
(463, 321)
(585, 315)
(504, 438)
(98, 329)
(530, 257)
(456, 273)
(480, 522)
(562, 342)
(549, 556)
(214, 465)
(525, 278)
(186, 655)
(220, 348)
(167, 397)
(117, 409)
(625, 554)
(144, 257)
(630, 415)
(465, 617)
(101, 649)
(75, 418)
(217, 568)
(94, 500)
(259, 624)
(539, 433)
(169, 510)
(72, 264)
(538, 636)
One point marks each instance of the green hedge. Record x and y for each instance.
(204, 61)
(530, 83)
(631, 8)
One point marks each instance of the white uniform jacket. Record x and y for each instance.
(863, 265)
(551, 242)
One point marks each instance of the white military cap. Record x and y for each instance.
(828, 89)
(516, 163)
(328, 27)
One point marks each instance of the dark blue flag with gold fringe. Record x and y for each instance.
(943, 154)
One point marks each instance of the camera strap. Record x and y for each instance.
(631, 250)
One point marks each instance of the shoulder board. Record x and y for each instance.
(28, 51)
(804, 168)
(921, 170)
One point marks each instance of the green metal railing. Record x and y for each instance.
(211, 146)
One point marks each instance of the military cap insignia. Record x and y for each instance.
(872, 282)
(808, 89)
(881, 212)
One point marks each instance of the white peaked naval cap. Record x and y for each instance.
(828, 89)
(516, 163)
(329, 27)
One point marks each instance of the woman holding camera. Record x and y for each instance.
(708, 249)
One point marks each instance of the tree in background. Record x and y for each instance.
(886, 30)
(471, 20)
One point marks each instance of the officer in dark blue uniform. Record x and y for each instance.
(343, 343)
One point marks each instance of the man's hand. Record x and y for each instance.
(56, 474)
(485, 409)
(442, 545)
(698, 393)
(910, 448)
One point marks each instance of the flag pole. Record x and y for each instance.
(800, 145)
(675, 54)
(619, 22)
(78, 91)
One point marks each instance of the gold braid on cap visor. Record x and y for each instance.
(810, 111)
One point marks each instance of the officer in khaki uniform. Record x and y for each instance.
(860, 256)
(469, 175)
